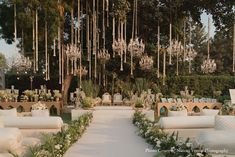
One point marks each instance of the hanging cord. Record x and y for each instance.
(36, 46)
(158, 50)
(136, 18)
(208, 44)
(34, 55)
(103, 24)
(107, 13)
(15, 22)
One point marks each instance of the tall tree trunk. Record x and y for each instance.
(67, 82)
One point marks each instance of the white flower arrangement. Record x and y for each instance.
(39, 106)
(178, 107)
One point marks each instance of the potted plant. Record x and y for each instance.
(177, 109)
(139, 103)
(57, 95)
(87, 103)
(39, 109)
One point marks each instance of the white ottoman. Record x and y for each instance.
(76, 113)
(10, 139)
(218, 141)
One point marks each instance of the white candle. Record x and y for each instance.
(12, 87)
(71, 95)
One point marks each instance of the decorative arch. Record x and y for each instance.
(196, 109)
(205, 107)
(53, 110)
(20, 109)
(163, 111)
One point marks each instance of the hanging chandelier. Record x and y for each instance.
(146, 62)
(176, 48)
(103, 55)
(208, 66)
(190, 54)
(72, 52)
(136, 47)
(22, 64)
(83, 71)
(119, 46)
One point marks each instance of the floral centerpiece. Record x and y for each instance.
(178, 107)
(39, 106)
(177, 110)
(29, 94)
(228, 108)
(39, 109)
(57, 95)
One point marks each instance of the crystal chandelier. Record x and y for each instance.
(176, 47)
(190, 54)
(208, 66)
(136, 47)
(22, 64)
(146, 63)
(103, 55)
(119, 46)
(83, 71)
(72, 52)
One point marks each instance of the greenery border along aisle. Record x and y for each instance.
(57, 144)
(163, 143)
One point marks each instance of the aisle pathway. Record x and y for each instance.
(111, 134)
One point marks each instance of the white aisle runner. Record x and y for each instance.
(111, 134)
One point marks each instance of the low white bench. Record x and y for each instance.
(222, 138)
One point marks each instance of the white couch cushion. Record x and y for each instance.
(209, 112)
(10, 139)
(11, 112)
(1, 123)
(225, 122)
(149, 114)
(187, 122)
(33, 122)
(40, 113)
(218, 140)
(177, 113)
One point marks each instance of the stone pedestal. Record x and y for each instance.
(76, 113)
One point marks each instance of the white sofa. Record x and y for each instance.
(33, 122)
(187, 126)
(31, 126)
(222, 138)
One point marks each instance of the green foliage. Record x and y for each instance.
(120, 9)
(90, 89)
(87, 102)
(141, 84)
(57, 144)
(162, 141)
(139, 103)
(202, 85)
(3, 61)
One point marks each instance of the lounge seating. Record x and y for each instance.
(106, 99)
(31, 126)
(187, 126)
(222, 138)
(33, 122)
(117, 99)
(10, 140)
